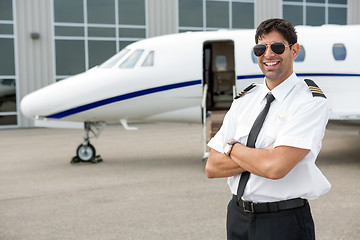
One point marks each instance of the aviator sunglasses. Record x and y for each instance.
(276, 47)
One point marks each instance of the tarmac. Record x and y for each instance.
(151, 185)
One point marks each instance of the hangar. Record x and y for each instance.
(44, 41)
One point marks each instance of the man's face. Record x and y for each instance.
(276, 67)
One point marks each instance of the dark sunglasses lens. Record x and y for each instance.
(278, 48)
(259, 49)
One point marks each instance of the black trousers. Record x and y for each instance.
(292, 224)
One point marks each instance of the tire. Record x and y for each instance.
(86, 153)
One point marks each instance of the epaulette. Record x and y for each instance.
(315, 90)
(243, 92)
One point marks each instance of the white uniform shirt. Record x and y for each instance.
(295, 119)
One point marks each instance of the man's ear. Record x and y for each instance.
(295, 50)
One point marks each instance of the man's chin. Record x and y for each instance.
(271, 76)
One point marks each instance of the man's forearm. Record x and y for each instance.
(256, 161)
(219, 165)
(273, 163)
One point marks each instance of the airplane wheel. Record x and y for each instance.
(85, 152)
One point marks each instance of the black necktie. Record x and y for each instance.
(254, 132)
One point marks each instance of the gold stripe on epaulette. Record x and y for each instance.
(315, 90)
(243, 92)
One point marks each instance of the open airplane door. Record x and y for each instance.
(218, 85)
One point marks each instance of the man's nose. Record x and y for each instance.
(269, 52)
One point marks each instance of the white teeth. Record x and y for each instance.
(270, 63)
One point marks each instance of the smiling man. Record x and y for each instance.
(268, 144)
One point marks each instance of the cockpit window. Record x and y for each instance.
(149, 60)
(339, 51)
(115, 59)
(132, 59)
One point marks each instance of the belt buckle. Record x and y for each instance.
(248, 207)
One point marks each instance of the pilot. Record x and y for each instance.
(268, 144)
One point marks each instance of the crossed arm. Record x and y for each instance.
(273, 163)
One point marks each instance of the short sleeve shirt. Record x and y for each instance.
(296, 118)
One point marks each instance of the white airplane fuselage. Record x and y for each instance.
(171, 87)
(169, 90)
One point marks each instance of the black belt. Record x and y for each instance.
(269, 207)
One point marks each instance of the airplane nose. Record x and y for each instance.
(25, 106)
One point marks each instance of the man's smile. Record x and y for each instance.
(271, 64)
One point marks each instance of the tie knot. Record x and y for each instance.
(269, 98)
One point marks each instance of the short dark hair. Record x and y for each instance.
(285, 28)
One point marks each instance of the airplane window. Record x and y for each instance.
(115, 59)
(221, 63)
(301, 56)
(149, 60)
(253, 57)
(132, 59)
(339, 51)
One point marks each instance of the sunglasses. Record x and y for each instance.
(276, 47)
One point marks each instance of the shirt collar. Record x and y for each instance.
(283, 89)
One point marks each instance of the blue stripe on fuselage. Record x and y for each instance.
(242, 77)
(327, 75)
(119, 98)
(170, 87)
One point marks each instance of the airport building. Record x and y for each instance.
(44, 41)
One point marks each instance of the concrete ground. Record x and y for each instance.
(151, 185)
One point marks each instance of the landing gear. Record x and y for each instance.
(86, 152)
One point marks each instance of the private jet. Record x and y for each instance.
(190, 77)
